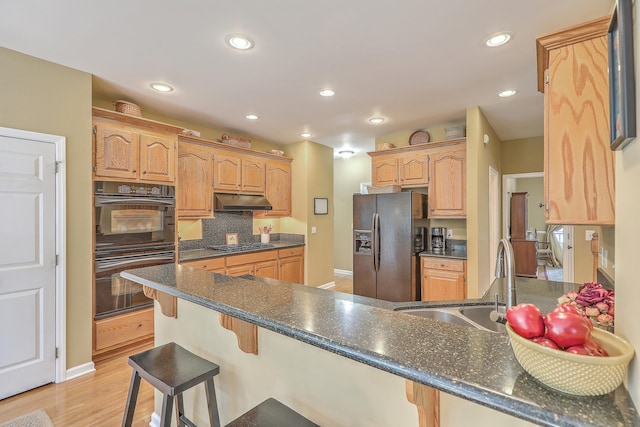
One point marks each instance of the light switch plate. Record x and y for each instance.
(588, 235)
(314, 230)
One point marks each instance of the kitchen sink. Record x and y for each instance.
(474, 316)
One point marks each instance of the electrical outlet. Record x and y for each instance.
(314, 230)
(588, 235)
(449, 234)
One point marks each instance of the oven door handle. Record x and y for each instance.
(143, 201)
(102, 266)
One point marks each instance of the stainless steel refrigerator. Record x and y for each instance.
(388, 233)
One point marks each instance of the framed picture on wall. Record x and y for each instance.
(320, 206)
(622, 88)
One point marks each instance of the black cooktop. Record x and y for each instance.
(242, 247)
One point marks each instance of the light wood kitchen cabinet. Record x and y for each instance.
(579, 166)
(215, 265)
(133, 149)
(195, 172)
(277, 188)
(238, 173)
(404, 166)
(448, 181)
(263, 264)
(291, 265)
(443, 279)
(119, 331)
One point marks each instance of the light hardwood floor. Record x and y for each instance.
(96, 399)
(344, 283)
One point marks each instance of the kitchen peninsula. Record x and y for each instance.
(341, 359)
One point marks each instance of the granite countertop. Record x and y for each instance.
(455, 253)
(466, 362)
(196, 254)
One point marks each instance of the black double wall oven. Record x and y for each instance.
(134, 227)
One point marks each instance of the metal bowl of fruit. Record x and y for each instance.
(577, 374)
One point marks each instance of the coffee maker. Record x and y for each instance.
(438, 238)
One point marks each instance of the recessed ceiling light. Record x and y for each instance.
(507, 93)
(497, 39)
(306, 135)
(161, 87)
(327, 92)
(377, 120)
(252, 117)
(239, 41)
(345, 154)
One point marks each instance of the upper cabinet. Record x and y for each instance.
(238, 173)
(448, 181)
(277, 188)
(579, 166)
(195, 172)
(440, 166)
(405, 166)
(133, 149)
(205, 167)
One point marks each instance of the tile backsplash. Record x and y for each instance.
(214, 231)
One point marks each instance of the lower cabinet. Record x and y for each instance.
(443, 279)
(262, 264)
(133, 328)
(284, 264)
(291, 265)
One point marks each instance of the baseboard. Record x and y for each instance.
(80, 370)
(155, 420)
(347, 272)
(327, 285)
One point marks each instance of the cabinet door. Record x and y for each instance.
(525, 253)
(413, 170)
(194, 181)
(240, 270)
(384, 170)
(442, 285)
(267, 269)
(252, 175)
(519, 215)
(216, 265)
(157, 158)
(116, 151)
(447, 185)
(579, 165)
(292, 269)
(227, 170)
(277, 189)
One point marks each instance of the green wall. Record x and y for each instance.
(347, 176)
(479, 157)
(43, 97)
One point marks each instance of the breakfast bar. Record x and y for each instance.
(340, 359)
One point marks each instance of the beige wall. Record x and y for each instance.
(522, 155)
(312, 176)
(43, 97)
(535, 213)
(348, 174)
(479, 157)
(627, 235)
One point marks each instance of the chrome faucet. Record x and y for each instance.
(505, 267)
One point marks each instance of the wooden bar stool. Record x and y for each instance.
(271, 413)
(171, 369)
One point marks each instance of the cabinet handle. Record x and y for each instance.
(139, 325)
(134, 171)
(144, 172)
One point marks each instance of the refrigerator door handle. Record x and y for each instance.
(376, 241)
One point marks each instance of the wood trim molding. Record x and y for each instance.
(567, 36)
(426, 400)
(247, 333)
(417, 147)
(168, 303)
(135, 121)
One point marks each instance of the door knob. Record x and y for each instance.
(569, 247)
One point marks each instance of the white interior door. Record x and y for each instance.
(27, 264)
(494, 225)
(567, 254)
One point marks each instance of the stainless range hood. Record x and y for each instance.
(240, 202)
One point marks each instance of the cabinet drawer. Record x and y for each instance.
(122, 329)
(443, 264)
(289, 252)
(251, 258)
(206, 264)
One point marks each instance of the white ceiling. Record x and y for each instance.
(416, 62)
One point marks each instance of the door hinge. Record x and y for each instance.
(546, 79)
(57, 352)
(57, 259)
(95, 130)
(57, 166)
